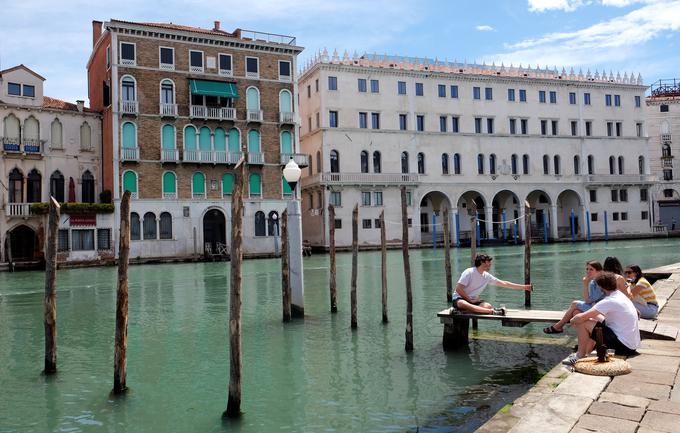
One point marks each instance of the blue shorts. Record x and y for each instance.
(584, 306)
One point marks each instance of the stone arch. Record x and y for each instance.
(541, 206)
(506, 206)
(463, 206)
(568, 200)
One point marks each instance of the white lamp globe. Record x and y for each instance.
(292, 173)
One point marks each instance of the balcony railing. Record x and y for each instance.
(255, 158)
(301, 159)
(167, 66)
(169, 155)
(620, 178)
(667, 161)
(169, 196)
(200, 156)
(254, 115)
(222, 157)
(197, 69)
(169, 110)
(386, 179)
(32, 145)
(218, 113)
(666, 138)
(129, 107)
(286, 117)
(18, 210)
(226, 72)
(130, 154)
(11, 145)
(127, 62)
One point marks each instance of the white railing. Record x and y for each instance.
(32, 145)
(11, 144)
(198, 69)
(665, 137)
(195, 155)
(169, 196)
(134, 195)
(256, 158)
(223, 157)
(301, 159)
(227, 113)
(252, 74)
(286, 117)
(167, 66)
(388, 179)
(254, 115)
(168, 110)
(129, 107)
(199, 195)
(268, 37)
(667, 161)
(169, 155)
(18, 209)
(218, 113)
(285, 78)
(226, 72)
(128, 62)
(130, 153)
(619, 178)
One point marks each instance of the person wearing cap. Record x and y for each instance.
(473, 281)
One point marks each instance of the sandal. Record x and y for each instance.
(552, 330)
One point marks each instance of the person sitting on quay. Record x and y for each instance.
(592, 293)
(617, 317)
(642, 293)
(612, 264)
(473, 281)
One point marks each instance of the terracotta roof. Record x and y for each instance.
(171, 26)
(61, 105)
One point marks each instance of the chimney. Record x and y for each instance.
(96, 31)
(217, 26)
(81, 105)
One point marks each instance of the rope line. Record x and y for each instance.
(521, 217)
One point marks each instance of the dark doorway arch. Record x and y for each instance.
(22, 241)
(214, 232)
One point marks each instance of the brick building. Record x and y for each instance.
(180, 105)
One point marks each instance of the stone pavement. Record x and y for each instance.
(645, 401)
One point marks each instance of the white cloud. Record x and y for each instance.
(484, 28)
(544, 5)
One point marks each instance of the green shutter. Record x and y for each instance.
(169, 184)
(285, 101)
(255, 184)
(168, 140)
(227, 183)
(253, 141)
(286, 142)
(220, 140)
(190, 138)
(198, 186)
(130, 181)
(252, 99)
(234, 140)
(204, 138)
(129, 135)
(286, 187)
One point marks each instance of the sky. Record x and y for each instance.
(54, 38)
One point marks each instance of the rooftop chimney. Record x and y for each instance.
(96, 31)
(81, 105)
(217, 26)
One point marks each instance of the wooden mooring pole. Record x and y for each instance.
(332, 282)
(447, 257)
(50, 305)
(527, 252)
(355, 253)
(408, 346)
(383, 262)
(285, 282)
(234, 401)
(120, 351)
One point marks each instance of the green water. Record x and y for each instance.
(312, 375)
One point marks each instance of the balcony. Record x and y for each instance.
(129, 107)
(18, 210)
(168, 110)
(11, 145)
(667, 161)
(169, 196)
(27, 146)
(363, 179)
(169, 155)
(301, 159)
(196, 69)
(254, 116)
(286, 117)
(216, 113)
(32, 146)
(198, 156)
(620, 179)
(222, 157)
(256, 158)
(130, 154)
(666, 138)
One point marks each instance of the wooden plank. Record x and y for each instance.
(665, 332)
(511, 315)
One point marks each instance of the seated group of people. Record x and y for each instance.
(611, 301)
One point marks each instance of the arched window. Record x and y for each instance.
(87, 190)
(167, 95)
(546, 164)
(557, 165)
(612, 165)
(666, 150)
(149, 226)
(165, 226)
(445, 163)
(377, 162)
(252, 99)
(285, 101)
(86, 136)
(260, 224)
(286, 143)
(456, 163)
(364, 161)
(128, 93)
(129, 135)
(198, 185)
(234, 141)
(57, 186)
(591, 164)
(130, 182)
(577, 164)
(56, 134)
(621, 166)
(16, 186)
(421, 163)
(492, 163)
(33, 186)
(169, 185)
(190, 143)
(168, 137)
(273, 224)
(135, 231)
(12, 132)
(641, 164)
(404, 162)
(335, 161)
(227, 184)
(525, 164)
(204, 143)
(220, 142)
(254, 141)
(318, 161)
(255, 185)
(285, 187)
(480, 163)
(513, 163)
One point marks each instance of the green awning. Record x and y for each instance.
(213, 88)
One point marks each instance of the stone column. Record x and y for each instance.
(583, 224)
(296, 278)
(520, 222)
(553, 221)
(488, 210)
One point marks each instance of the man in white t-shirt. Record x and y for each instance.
(473, 281)
(617, 317)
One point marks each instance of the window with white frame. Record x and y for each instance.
(285, 71)
(365, 198)
(82, 240)
(166, 56)
(196, 61)
(127, 53)
(225, 65)
(252, 67)
(335, 198)
(378, 198)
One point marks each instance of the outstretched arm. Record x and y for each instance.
(510, 285)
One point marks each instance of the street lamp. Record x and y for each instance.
(292, 173)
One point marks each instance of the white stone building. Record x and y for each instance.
(49, 147)
(453, 133)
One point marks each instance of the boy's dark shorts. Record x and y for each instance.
(610, 340)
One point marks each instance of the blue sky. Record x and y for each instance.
(54, 37)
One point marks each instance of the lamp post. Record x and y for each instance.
(292, 173)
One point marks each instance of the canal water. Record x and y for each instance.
(312, 375)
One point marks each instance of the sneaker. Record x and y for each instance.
(571, 359)
(499, 311)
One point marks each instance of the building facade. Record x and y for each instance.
(49, 148)
(572, 145)
(181, 105)
(663, 114)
